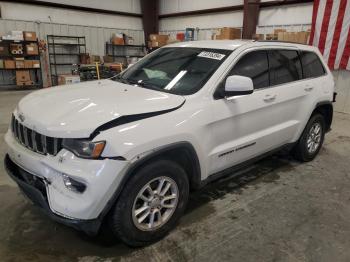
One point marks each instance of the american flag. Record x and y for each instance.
(330, 31)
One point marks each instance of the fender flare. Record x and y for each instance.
(195, 178)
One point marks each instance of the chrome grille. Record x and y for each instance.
(35, 141)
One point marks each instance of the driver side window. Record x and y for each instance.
(254, 65)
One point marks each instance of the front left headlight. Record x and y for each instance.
(84, 148)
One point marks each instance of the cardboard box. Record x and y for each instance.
(302, 37)
(22, 76)
(158, 38)
(29, 36)
(68, 79)
(108, 59)
(20, 64)
(36, 63)
(16, 49)
(271, 37)
(10, 64)
(25, 83)
(1, 63)
(28, 64)
(258, 37)
(276, 31)
(95, 58)
(32, 49)
(155, 44)
(84, 58)
(229, 33)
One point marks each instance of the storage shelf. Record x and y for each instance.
(64, 51)
(16, 41)
(8, 75)
(15, 69)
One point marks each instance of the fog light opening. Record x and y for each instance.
(73, 184)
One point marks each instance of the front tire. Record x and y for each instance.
(150, 204)
(311, 140)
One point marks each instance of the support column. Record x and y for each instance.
(250, 18)
(150, 20)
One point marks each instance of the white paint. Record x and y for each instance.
(65, 16)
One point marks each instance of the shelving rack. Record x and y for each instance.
(64, 54)
(8, 75)
(122, 53)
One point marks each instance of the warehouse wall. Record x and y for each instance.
(97, 28)
(286, 15)
(16, 11)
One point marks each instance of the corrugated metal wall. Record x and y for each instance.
(96, 37)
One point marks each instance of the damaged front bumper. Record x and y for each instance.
(35, 189)
(42, 179)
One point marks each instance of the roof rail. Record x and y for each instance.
(281, 41)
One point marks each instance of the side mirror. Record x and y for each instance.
(238, 85)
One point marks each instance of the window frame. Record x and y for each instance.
(325, 72)
(216, 93)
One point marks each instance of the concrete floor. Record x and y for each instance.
(279, 210)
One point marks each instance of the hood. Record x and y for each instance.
(75, 111)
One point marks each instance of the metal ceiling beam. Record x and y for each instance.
(73, 7)
(150, 17)
(234, 8)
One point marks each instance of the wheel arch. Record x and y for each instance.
(325, 108)
(182, 153)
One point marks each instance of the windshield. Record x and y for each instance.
(177, 70)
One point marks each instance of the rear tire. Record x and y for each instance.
(311, 140)
(143, 199)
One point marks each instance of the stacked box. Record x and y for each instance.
(32, 49)
(29, 36)
(16, 49)
(229, 33)
(156, 40)
(10, 64)
(23, 78)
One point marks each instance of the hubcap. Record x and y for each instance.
(314, 138)
(155, 203)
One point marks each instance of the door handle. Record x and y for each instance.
(269, 98)
(308, 88)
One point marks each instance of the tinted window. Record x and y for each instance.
(312, 66)
(285, 66)
(255, 66)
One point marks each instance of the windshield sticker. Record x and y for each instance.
(211, 55)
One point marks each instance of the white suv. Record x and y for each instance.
(128, 150)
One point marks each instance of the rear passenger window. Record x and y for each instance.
(255, 66)
(285, 66)
(312, 66)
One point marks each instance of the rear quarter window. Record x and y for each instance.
(312, 66)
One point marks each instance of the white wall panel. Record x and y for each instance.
(65, 16)
(232, 19)
(292, 14)
(173, 6)
(132, 6)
